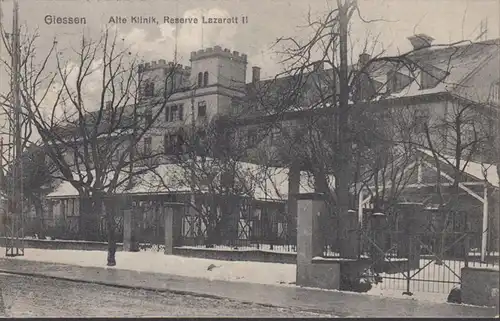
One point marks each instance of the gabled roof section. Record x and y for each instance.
(448, 67)
(435, 69)
(479, 171)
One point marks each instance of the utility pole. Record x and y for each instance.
(15, 220)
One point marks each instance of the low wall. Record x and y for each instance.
(65, 245)
(320, 273)
(237, 255)
(480, 286)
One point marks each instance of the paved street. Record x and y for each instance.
(336, 303)
(38, 297)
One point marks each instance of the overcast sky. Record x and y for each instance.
(445, 20)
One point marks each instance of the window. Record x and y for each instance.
(148, 117)
(427, 80)
(252, 137)
(173, 113)
(421, 119)
(205, 79)
(147, 145)
(275, 134)
(179, 143)
(495, 93)
(397, 81)
(180, 113)
(149, 89)
(200, 79)
(172, 143)
(202, 109)
(392, 82)
(70, 207)
(166, 144)
(431, 76)
(167, 113)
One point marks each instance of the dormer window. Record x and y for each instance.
(200, 79)
(397, 81)
(205, 79)
(431, 76)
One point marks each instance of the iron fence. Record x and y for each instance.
(261, 232)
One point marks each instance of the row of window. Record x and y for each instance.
(176, 112)
(149, 86)
(171, 143)
(275, 136)
(397, 81)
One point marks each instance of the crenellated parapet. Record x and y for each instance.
(162, 63)
(218, 51)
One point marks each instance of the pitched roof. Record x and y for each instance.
(264, 183)
(451, 65)
(480, 171)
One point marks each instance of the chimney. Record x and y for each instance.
(363, 59)
(420, 41)
(109, 105)
(255, 74)
(318, 66)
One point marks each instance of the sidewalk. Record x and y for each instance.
(337, 303)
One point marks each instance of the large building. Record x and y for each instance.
(432, 84)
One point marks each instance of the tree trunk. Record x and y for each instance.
(110, 226)
(39, 217)
(90, 210)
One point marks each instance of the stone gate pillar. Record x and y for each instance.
(378, 222)
(173, 225)
(129, 232)
(310, 271)
(349, 240)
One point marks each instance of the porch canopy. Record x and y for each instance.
(256, 181)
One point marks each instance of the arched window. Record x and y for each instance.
(200, 79)
(205, 79)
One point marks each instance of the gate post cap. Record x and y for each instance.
(310, 196)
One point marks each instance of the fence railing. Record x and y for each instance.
(420, 262)
(270, 234)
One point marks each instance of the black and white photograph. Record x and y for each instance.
(250, 158)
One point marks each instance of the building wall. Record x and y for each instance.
(224, 67)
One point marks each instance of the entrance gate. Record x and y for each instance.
(420, 257)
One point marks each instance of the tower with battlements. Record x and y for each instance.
(157, 74)
(218, 67)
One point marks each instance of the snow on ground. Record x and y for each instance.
(448, 275)
(253, 247)
(147, 261)
(256, 272)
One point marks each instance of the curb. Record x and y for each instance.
(160, 290)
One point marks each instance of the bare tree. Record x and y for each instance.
(339, 102)
(93, 143)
